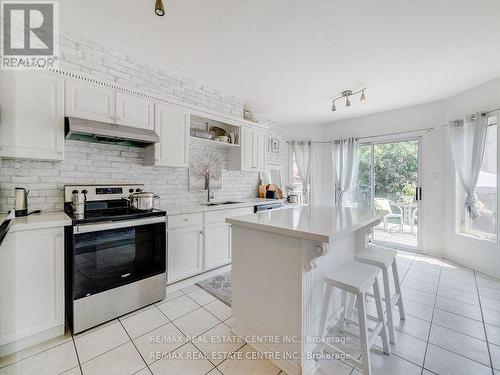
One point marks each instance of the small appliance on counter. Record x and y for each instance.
(21, 203)
(115, 256)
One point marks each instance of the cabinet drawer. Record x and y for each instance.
(184, 220)
(221, 215)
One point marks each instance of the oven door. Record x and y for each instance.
(109, 255)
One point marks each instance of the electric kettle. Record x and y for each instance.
(21, 201)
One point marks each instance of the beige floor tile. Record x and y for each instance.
(459, 323)
(101, 339)
(196, 322)
(459, 308)
(490, 303)
(218, 343)
(177, 307)
(383, 364)
(491, 317)
(172, 295)
(123, 360)
(489, 292)
(458, 295)
(418, 296)
(444, 362)
(35, 349)
(407, 347)
(412, 326)
(144, 371)
(74, 371)
(201, 297)
(219, 309)
(459, 343)
(190, 288)
(495, 356)
(143, 321)
(229, 322)
(493, 334)
(186, 360)
(159, 341)
(424, 286)
(52, 361)
(242, 362)
(331, 367)
(418, 310)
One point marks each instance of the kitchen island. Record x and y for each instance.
(279, 260)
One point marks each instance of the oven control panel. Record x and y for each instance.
(101, 192)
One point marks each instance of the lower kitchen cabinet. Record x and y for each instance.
(217, 249)
(31, 287)
(184, 252)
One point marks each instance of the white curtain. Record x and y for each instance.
(467, 140)
(302, 152)
(345, 167)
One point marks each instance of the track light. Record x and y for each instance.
(347, 94)
(159, 8)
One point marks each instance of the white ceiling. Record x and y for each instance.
(288, 58)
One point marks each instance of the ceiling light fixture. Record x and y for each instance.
(347, 94)
(159, 8)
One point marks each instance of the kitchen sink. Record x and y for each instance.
(219, 203)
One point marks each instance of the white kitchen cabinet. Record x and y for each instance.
(172, 126)
(135, 111)
(31, 284)
(184, 252)
(217, 245)
(251, 156)
(32, 115)
(90, 101)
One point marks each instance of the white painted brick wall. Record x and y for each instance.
(91, 163)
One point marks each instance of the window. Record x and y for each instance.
(486, 190)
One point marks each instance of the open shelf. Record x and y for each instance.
(214, 142)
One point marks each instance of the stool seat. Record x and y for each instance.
(352, 276)
(377, 256)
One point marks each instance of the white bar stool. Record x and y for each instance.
(384, 259)
(356, 278)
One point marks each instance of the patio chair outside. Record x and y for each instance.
(396, 212)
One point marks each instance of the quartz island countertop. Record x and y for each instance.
(315, 223)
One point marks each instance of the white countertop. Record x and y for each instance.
(38, 221)
(173, 209)
(315, 223)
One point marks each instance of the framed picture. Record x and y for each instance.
(275, 145)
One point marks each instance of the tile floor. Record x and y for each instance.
(452, 327)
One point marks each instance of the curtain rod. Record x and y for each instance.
(457, 122)
(375, 136)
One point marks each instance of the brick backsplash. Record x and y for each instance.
(92, 163)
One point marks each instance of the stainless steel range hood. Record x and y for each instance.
(103, 132)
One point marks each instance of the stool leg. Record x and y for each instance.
(363, 333)
(343, 313)
(388, 305)
(324, 310)
(395, 274)
(380, 313)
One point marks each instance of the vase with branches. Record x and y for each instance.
(206, 166)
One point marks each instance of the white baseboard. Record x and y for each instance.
(26, 342)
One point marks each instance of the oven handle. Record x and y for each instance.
(87, 228)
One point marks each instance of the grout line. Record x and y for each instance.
(484, 324)
(432, 317)
(133, 343)
(77, 356)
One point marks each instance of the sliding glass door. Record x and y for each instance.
(389, 179)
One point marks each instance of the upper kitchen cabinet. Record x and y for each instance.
(252, 153)
(90, 101)
(172, 126)
(32, 115)
(136, 111)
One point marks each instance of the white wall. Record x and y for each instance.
(438, 177)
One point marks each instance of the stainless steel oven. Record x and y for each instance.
(114, 266)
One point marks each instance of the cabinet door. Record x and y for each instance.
(32, 118)
(31, 283)
(90, 101)
(259, 148)
(184, 253)
(172, 126)
(134, 111)
(247, 161)
(217, 249)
